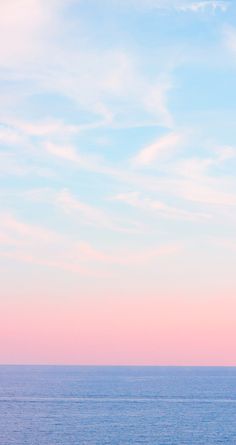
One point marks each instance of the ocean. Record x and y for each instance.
(70, 405)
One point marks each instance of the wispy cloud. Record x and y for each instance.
(208, 193)
(179, 5)
(160, 208)
(64, 86)
(95, 216)
(202, 6)
(24, 242)
(29, 232)
(66, 152)
(162, 148)
(199, 168)
(99, 80)
(124, 257)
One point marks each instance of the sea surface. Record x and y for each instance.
(63, 405)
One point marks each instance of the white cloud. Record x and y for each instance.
(71, 154)
(25, 242)
(159, 149)
(95, 216)
(20, 230)
(160, 208)
(109, 83)
(126, 257)
(201, 6)
(208, 193)
(198, 168)
(28, 243)
(44, 128)
(66, 152)
(178, 5)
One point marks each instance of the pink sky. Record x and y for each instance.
(142, 331)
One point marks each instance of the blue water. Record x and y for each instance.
(117, 405)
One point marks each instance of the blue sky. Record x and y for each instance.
(117, 143)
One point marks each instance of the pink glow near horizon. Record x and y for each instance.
(149, 332)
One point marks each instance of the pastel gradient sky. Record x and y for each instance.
(118, 185)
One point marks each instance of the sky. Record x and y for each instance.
(117, 182)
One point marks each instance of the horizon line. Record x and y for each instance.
(116, 365)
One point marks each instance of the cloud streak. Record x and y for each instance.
(24, 242)
(160, 208)
(179, 5)
(162, 148)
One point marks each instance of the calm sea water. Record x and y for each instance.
(117, 405)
